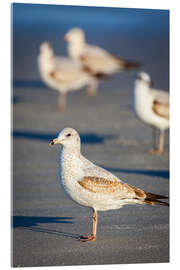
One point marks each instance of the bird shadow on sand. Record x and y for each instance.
(33, 224)
(86, 138)
(15, 100)
(153, 173)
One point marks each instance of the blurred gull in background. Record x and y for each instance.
(152, 107)
(62, 74)
(93, 58)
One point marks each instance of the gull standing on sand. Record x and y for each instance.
(152, 107)
(92, 186)
(62, 74)
(93, 58)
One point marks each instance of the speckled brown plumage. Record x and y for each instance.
(107, 186)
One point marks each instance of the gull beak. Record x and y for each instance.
(55, 141)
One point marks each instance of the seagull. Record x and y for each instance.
(62, 74)
(92, 186)
(152, 107)
(94, 59)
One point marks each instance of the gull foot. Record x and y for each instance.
(88, 238)
(155, 152)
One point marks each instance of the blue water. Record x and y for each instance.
(137, 34)
(52, 18)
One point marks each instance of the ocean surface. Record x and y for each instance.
(135, 34)
(38, 18)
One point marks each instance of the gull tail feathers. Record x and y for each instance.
(129, 64)
(102, 76)
(97, 75)
(153, 199)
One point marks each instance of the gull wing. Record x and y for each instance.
(161, 109)
(97, 60)
(64, 63)
(120, 190)
(67, 75)
(111, 187)
(160, 96)
(96, 51)
(103, 64)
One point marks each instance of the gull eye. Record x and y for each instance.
(68, 135)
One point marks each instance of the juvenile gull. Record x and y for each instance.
(152, 107)
(92, 186)
(62, 74)
(93, 58)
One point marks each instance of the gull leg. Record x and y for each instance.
(161, 141)
(95, 222)
(91, 237)
(92, 89)
(62, 102)
(154, 136)
(160, 149)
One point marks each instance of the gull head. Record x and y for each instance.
(67, 137)
(145, 78)
(46, 58)
(46, 49)
(45, 46)
(75, 35)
